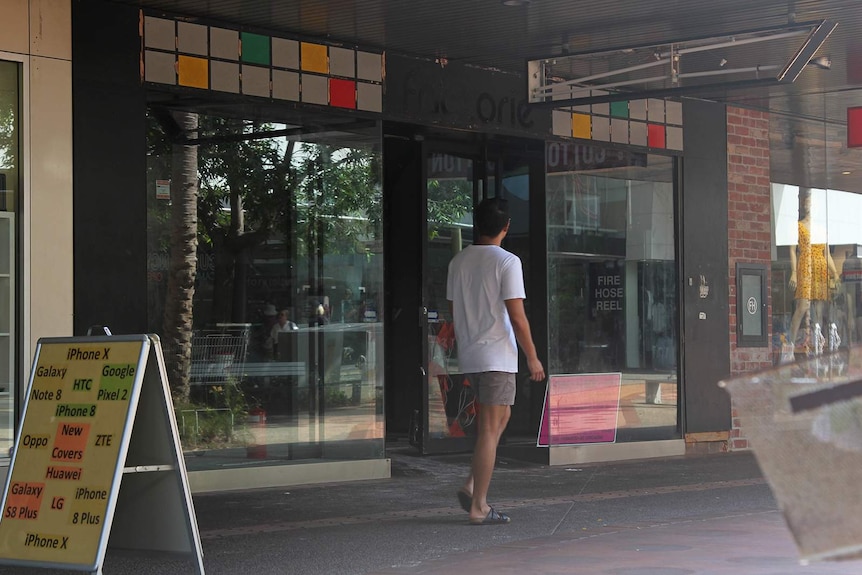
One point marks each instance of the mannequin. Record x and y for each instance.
(810, 266)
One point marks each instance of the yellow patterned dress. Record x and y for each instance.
(811, 269)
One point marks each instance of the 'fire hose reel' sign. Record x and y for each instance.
(73, 445)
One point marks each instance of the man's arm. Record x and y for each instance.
(521, 325)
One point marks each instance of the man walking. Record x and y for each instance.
(485, 289)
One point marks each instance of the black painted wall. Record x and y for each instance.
(706, 342)
(110, 215)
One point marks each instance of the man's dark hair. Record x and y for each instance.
(491, 216)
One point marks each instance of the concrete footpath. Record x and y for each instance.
(710, 514)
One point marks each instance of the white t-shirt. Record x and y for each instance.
(481, 279)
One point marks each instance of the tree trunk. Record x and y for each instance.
(177, 322)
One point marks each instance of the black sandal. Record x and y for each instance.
(493, 518)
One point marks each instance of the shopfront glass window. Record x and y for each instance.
(612, 280)
(10, 169)
(277, 356)
(817, 241)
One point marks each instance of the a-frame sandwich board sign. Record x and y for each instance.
(97, 460)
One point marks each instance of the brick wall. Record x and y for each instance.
(749, 230)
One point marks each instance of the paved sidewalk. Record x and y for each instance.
(709, 515)
(749, 544)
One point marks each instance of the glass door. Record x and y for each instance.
(451, 188)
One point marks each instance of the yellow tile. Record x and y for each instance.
(193, 72)
(14, 27)
(313, 58)
(581, 126)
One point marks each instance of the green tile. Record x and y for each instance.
(620, 109)
(255, 48)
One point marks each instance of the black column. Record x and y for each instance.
(110, 215)
(706, 331)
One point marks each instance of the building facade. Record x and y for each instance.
(280, 207)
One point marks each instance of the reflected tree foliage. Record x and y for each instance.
(233, 190)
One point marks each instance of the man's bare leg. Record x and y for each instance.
(492, 422)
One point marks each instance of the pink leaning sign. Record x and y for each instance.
(580, 409)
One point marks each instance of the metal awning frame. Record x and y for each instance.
(545, 90)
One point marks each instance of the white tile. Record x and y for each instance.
(160, 67)
(285, 85)
(638, 133)
(285, 53)
(601, 129)
(342, 62)
(674, 112)
(637, 110)
(315, 89)
(655, 110)
(673, 135)
(224, 44)
(192, 38)
(369, 66)
(369, 97)
(561, 123)
(619, 131)
(255, 81)
(224, 76)
(159, 33)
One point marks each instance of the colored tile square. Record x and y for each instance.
(342, 62)
(561, 123)
(314, 89)
(637, 110)
(674, 138)
(192, 38)
(159, 33)
(255, 81)
(638, 133)
(601, 129)
(225, 76)
(224, 44)
(655, 136)
(255, 48)
(619, 131)
(193, 72)
(369, 66)
(285, 53)
(369, 97)
(603, 109)
(313, 58)
(285, 85)
(854, 127)
(673, 113)
(620, 109)
(160, 67)
(582, 126)
(655, 110)
(342, 93)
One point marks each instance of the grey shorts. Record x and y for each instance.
(494, 387)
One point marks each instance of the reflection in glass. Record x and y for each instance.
(612, 280)
(284, 346)
(10, 162)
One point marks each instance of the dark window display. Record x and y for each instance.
(265, 284)
(612, 279)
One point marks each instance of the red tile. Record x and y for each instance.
(342, 93)
(656, 136)
(854, 127)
